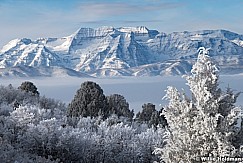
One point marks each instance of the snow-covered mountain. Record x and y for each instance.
(125, 51)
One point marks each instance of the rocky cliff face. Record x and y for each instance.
(109, 51)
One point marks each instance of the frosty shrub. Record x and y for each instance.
(38, 130)
(203, 125)
(88, 101)
(14, 97)
(11, 97)
(118, 105)
(91, 141)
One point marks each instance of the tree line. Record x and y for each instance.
(92, 128)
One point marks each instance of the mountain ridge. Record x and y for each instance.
(124, 51)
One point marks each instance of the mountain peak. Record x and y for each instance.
(15, 43)
(136, 30)
(91, 32)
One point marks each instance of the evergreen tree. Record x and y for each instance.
(150, 116)
(118, 105)
(146, 113)
(203, 125)
(29, 87)
(88, 101)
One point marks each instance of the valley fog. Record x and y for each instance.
(136, 90)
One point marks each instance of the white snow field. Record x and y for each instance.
(136, 90)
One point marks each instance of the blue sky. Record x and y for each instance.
(56, 18)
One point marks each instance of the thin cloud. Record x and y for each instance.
(142, 21)
(97, 10)
(120, 21)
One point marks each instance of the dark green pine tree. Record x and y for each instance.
(151, 116)
(29, 87)
(118, 105)
(88, 101)
(146, 113)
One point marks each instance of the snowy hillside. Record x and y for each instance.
(28, 71)
(124, 51)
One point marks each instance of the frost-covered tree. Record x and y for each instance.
(118, 105)
(38, 130)
(15, 97)
(88, 101)
(203, 125)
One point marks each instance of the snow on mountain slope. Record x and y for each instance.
(27, 52)
(59, 45)
(109, 48)
(170, 67)
(28, 71)
(124, 51)
(185, 44)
